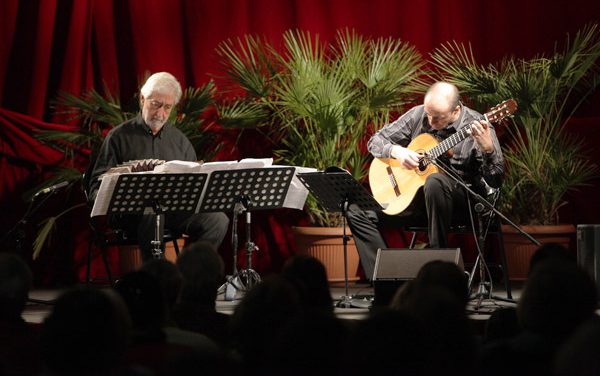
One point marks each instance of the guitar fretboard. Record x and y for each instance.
(448, 143)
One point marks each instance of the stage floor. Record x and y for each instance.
(359, 301)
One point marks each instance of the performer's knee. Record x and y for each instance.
(433, 185)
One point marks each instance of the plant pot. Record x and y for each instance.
(519, 249)
(326, 245)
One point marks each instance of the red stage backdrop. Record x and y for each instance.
(48, 46)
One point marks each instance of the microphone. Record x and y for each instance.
(52, 188)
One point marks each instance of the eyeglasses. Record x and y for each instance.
(155, 105)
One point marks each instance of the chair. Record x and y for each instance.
(104, 237)
(491, 224)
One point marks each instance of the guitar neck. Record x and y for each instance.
(448, 143)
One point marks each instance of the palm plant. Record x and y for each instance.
(96, 114)
(543, 162)
(319, 102)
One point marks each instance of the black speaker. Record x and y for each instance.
(588, 250)
(393, 267)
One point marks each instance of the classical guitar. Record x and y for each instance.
(394, 187)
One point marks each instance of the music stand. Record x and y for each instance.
(335, 189)
(143, 194)
(241, 191)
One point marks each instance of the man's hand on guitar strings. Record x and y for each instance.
(408, 159)
(480, 131)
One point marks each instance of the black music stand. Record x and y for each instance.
(144, 194)
(335, 189)
(241, 191)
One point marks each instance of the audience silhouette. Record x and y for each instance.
(309, 277)
(438, 296)
(285, 325)
(170, 281)
(258, 319)
(580, 354)
(558, 297)
(19, 340)
(87, 333)
(202, 272)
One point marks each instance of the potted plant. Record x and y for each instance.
(319, 102)
(543, 161)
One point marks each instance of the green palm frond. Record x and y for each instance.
(195, 101)
(305, 57)
(92, 107)
(249, 63)
(189, 119)
(543, 162)
(242, 114)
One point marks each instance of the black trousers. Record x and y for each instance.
(441, 202)
(209, 227)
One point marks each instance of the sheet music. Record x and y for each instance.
(177, 166)
(256, 163)
(209, 167)
(107, 186)
(297, 192)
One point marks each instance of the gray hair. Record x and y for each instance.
(164, 83)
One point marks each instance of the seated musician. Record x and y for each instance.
(151, 136)
(441, 199)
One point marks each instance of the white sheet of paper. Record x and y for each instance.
(107, 186)
(182, 167)
(297, 193)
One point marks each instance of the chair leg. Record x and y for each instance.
(106, 266)
(176, 247)
(413, 240)
(89, 261)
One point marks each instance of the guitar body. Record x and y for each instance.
(395, 187)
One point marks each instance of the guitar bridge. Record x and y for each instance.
(393, 181)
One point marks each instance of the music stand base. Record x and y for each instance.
(483, 293)
(350, 302)
(242, 281)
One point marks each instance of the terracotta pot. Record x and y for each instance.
(326, 245)
(519, 249)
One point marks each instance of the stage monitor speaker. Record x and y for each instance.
(393, 267)
(588, 250)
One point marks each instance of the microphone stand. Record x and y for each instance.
(18, 232)
(481, 203)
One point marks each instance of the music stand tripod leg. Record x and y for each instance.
(157, 251)
(252, 278)
(245, 279)
(233, 282)
(346, 299)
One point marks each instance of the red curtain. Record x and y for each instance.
(48, 46)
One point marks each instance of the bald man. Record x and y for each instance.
(475, 160)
